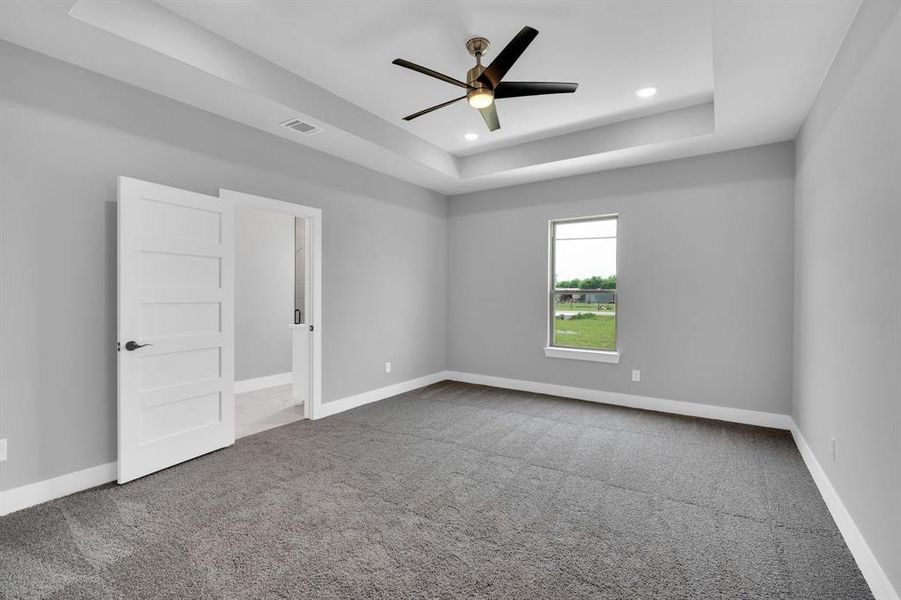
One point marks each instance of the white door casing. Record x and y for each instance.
(176, 294)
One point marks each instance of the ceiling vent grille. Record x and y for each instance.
(302, 126)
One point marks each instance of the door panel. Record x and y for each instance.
(179, 221)
(169, 269)
(179, 319)
(179, 367)
(177, 417)
(176, 294)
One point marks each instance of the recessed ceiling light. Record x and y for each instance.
(471, 136)
(645, 92)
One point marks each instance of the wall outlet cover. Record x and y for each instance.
(636, 375)
(387, 367)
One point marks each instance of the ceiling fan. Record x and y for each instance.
(484, 85)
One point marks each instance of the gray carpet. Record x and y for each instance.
(451, 491)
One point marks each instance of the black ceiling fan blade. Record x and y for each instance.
(431, 108)
(426, 71)
(509, 55)
(515, 89)
(489, 113)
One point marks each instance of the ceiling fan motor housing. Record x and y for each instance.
(479, 94)
(472, 77)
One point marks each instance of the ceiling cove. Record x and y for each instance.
(727, 75)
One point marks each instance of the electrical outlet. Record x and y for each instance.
(2, 449)
(388, 367)
(636, 375)
(832, 439)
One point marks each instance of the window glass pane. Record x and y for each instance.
(583, 229)
(586, 330)
(585, 260)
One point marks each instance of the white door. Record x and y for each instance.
(176, 326)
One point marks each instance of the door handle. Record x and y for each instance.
(132, 345)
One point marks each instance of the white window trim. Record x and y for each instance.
(551, 351)
(604, 356)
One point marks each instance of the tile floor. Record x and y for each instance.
(260, 410)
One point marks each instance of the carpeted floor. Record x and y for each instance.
(452, 491)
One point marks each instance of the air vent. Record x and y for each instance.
(302, 126)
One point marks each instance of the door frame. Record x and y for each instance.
(313, 217)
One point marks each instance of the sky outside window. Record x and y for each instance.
(584, 249)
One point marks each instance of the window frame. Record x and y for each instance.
(554, 351)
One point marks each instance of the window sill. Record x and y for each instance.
(576, 354)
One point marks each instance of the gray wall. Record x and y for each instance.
(264, 292)
(848, 279)
(65, 135)
(704, 273)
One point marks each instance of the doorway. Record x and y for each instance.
(277, 305)
(269, 300)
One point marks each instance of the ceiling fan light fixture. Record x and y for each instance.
(480, 98)
(484, 84)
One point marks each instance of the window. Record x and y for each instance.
(582, 295)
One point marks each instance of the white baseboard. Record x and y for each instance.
(692, 409)
(870, 568)
(57, 487)
(261, 383)
(337, 406)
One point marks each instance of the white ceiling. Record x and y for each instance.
(609, 48)
(731, 74)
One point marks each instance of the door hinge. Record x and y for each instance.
(118, 346)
